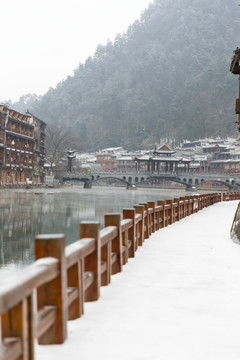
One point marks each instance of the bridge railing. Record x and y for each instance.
(37, 303)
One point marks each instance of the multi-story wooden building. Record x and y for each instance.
(39, 147)
(21, 153)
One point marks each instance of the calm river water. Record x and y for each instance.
(26, 213)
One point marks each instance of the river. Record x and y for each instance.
(27, 213)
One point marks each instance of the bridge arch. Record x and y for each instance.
(87, 182)
(129, 184)
(173, 179)
(226, 183)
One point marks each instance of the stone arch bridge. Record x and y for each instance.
(132, 179)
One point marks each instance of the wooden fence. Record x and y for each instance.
(37, 303)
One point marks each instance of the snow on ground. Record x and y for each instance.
(178, 299)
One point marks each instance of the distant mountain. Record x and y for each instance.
(167, 76)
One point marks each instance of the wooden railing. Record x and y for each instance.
(43, 296)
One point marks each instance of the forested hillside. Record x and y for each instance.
(167, 76)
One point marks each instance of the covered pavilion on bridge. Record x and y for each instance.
(161, 161)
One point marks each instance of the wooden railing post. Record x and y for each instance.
(169, 212)
(191, 201)
(130, 214)
(19, 323)
(187, 200)
(146, 221)
(204, 201)
(92, 262)
(162, 203)
(195, 203)
(157, 218)
(115, 220)
(201, 202)
(53, 293)
(198, 202)
(140, 237)
(177, 210)
(183, 207)
(151, 204)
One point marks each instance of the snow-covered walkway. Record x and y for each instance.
(178, 299)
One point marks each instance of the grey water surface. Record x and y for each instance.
(27, 213)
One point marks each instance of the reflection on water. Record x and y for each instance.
(26, 213)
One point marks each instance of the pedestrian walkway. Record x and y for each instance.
(177, 299)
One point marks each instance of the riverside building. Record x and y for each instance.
(22, 147)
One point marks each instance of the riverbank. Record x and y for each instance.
(178, 298)
(140, 186)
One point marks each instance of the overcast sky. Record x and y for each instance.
(43, 41)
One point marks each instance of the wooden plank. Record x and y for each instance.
(107, 234)
(11, 349)
(126, 224)
(79, 250)
(88, 279)
(72, 294)
(114, 258)
(45, 318)
(138, 218)
(23, 283)
(103, 267)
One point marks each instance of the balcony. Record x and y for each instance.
(19, 144)
(18, 163)
(19, 133)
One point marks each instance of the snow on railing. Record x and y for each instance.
(41, 298)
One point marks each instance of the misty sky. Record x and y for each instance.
(44, 40)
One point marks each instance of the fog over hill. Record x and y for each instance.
(167, 76)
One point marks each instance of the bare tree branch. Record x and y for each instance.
(58, 140)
